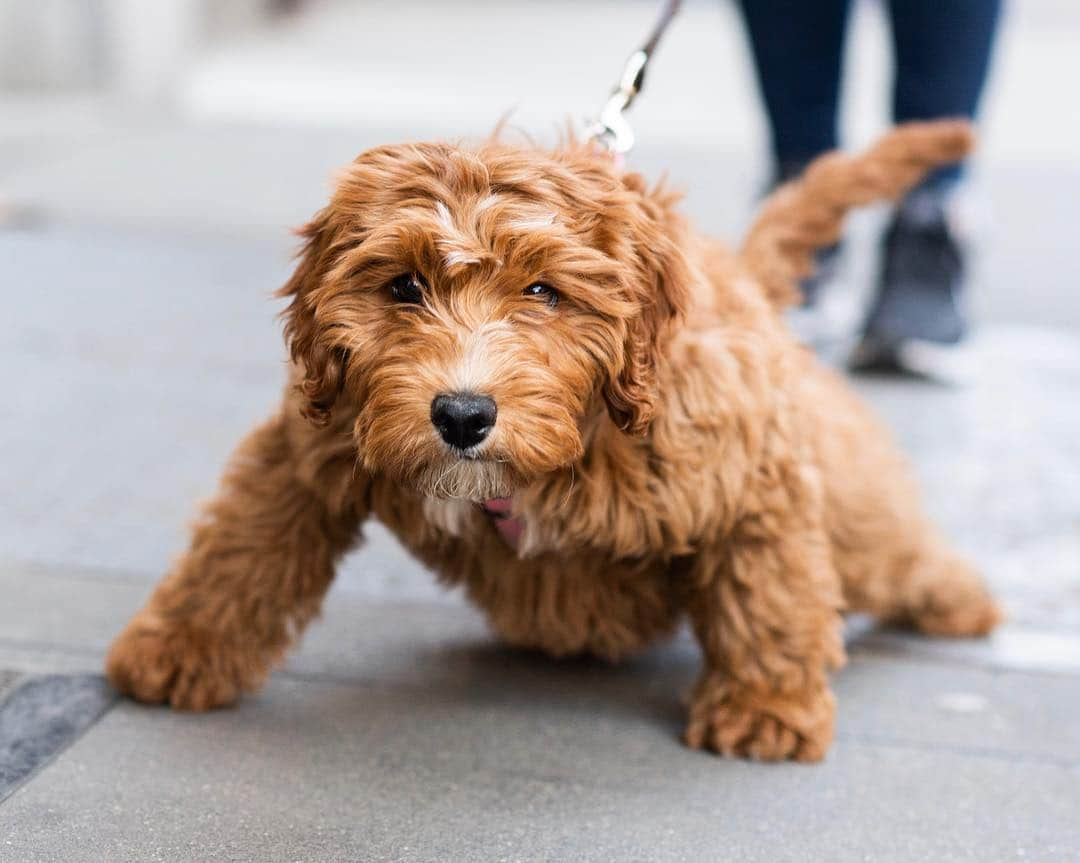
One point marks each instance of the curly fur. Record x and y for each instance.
(670, 449)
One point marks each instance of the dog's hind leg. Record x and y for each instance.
(893, 563)
(261, 558)
(928, 588)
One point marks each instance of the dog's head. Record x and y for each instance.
(481, 308)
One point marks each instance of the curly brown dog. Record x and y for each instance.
(558, 395)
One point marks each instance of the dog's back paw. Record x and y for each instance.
(953, 602)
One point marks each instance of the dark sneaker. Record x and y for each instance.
(916, 324)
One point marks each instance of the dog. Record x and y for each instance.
(556, 393)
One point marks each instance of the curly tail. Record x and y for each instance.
(808, 213)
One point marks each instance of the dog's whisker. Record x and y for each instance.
(570, 489)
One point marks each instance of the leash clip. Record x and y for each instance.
(611, 129)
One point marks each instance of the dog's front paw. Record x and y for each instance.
(740, 723)
(165, 662)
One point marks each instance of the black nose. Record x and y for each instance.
(463, 419)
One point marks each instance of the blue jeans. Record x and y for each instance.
(942, 53)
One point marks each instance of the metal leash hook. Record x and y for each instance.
(611, 130)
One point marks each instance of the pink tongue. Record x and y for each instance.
(499, 506)
(510, 529)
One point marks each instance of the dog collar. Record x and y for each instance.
(510, 528)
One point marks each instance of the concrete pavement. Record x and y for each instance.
(440, 746)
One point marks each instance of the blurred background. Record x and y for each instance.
(228, 116)
(154, 156)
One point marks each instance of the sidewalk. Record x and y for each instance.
(400, 733)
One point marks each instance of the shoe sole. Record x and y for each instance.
(950, 364)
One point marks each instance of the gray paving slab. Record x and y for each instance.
(58, 621)
(111, 390)
(1012, 647)
(41, 716)
(999, 461)
(8, 681)
(404, 733)
(532, 761)
(438, 646)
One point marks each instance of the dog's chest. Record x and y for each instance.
(451, 517)
(562, 600)
(457, 518)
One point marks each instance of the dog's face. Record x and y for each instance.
(480, 307)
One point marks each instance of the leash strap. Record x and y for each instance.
(611, 130)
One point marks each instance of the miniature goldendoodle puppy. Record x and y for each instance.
(557, 394)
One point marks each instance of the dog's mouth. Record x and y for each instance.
(473, 476)
(475, 453)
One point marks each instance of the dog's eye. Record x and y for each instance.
(407, 288)
(545, 292)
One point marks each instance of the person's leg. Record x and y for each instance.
(942, 58)
(797, 48)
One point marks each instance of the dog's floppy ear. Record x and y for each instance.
(323, 366)
(661, 289)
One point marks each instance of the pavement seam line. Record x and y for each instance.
(41, 718)
(1006, 756)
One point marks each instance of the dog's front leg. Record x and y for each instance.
(765, 605)
(261, 558)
